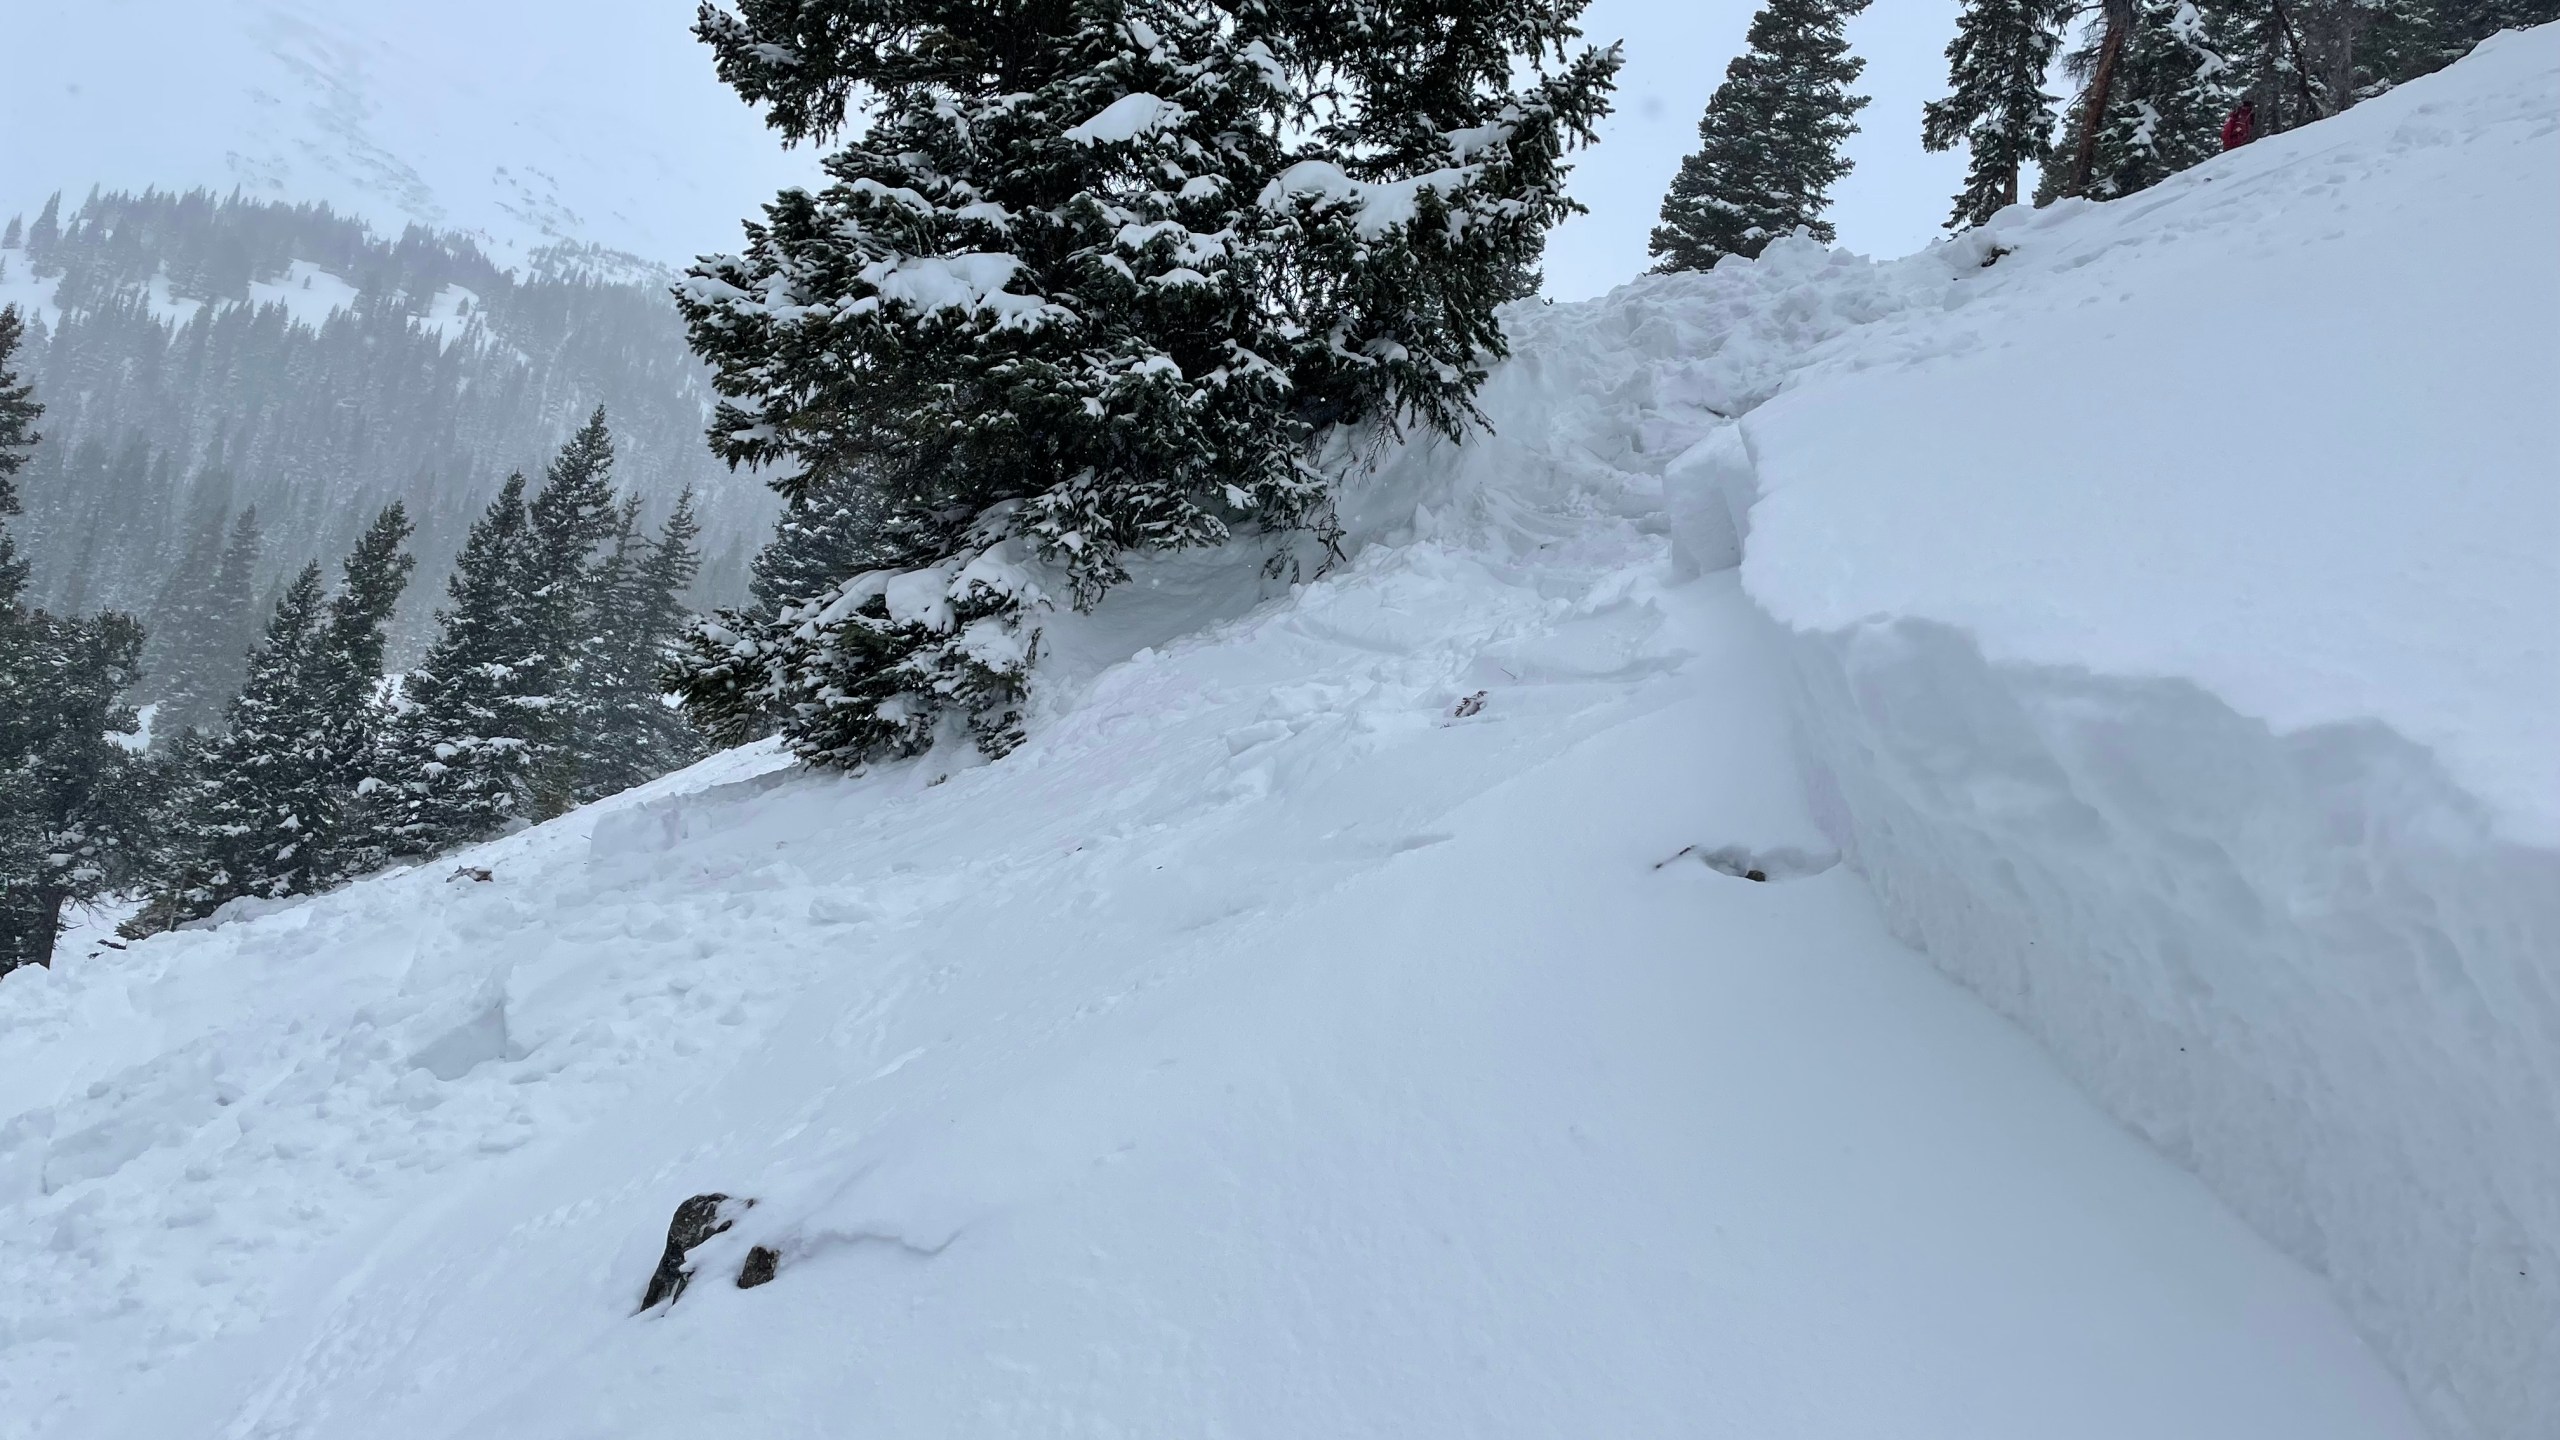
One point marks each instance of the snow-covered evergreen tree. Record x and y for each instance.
(2457, 25)
(1998, 108)
(23, 938)
(270, 807)
(248, 824)
(631, 734)
(1088, 279)
(571, 524)
(2350, 50)
(457, 760)
(18, 414)
(172, 677)
(2259, 66)
(826, 533)
(2166, 108)
(205, 650)
(1769, 145)
(42, 235)
(70, 798)
(348, 711)
(730, 669)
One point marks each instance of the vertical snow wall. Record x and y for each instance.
(2171, 599)
(2303, 964)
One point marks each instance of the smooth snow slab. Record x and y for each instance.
(2287, 426)
(1264, 1049)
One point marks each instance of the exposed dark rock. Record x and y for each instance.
(697, 1220)
(761, 1263)
(1781, 863)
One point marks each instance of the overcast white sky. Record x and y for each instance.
(602, 117)
(1893, 203)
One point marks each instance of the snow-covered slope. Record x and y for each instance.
(594, 122)
(1265, 1049)
(1350, 1015)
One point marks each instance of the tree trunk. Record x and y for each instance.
(2119, 15)
(27, 931)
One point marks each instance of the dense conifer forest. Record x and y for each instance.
(227, 376)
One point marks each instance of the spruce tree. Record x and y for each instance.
(71, 800)
(2092, 64)
(2458, 25)
(1093, 278)
(206, 651)
(270, 807)
(457, 761)
(2393, 41)
(44, 234)
(729, 669)
(1998, 109)
(2166, 108)
(347, 706)
(248, 825)
(18, 437)
(632, 734)
(170, 843)
(71, 794)
(572, 520)
(1769, 145)
(824, 534)
(25, 936)
(185, 631)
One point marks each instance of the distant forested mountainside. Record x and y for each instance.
(220, 373)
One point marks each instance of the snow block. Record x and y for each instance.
(1707, 492)
(2305, 965)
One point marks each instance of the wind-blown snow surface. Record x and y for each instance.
(1269, 1049)
(596, 122)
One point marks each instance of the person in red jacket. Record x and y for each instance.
(2242, 127)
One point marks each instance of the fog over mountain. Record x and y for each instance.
(429, 240)
(596, 122)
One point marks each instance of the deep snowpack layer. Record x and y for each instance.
(1266, 1049)
(590, 121)
(2285, 426)
(2175, 615)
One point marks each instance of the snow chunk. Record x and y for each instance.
(1380, 206)
(1128, 118)
(974, 282)
(920, 597)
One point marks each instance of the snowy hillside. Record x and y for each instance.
(1425, 1001)
(594, 122)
